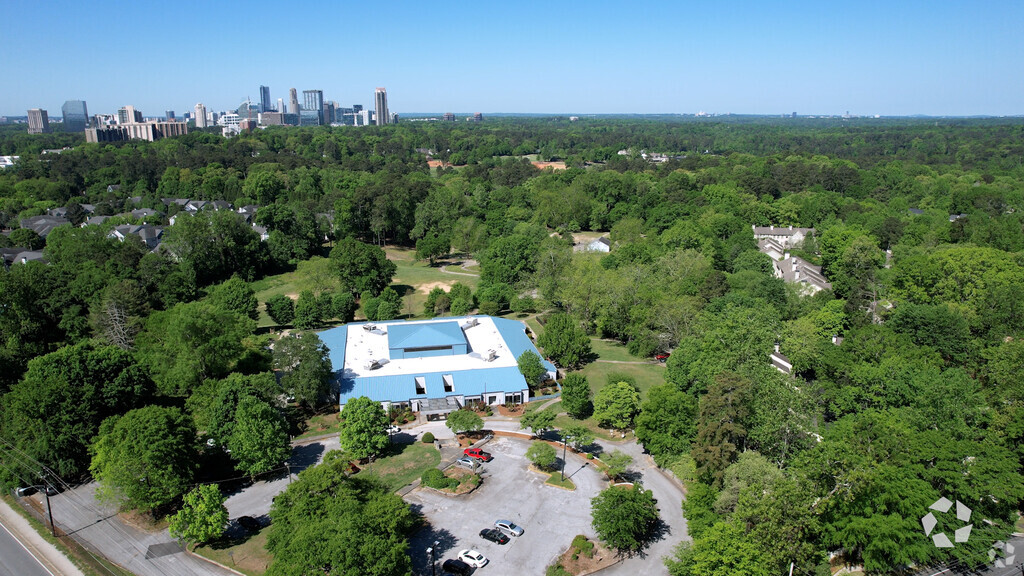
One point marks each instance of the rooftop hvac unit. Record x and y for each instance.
(472, 322)
(374, 364)
(491, 355)
(369, 327)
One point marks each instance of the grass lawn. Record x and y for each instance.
(402, 464)
(612, 350)
(248, 556)
(647, 375)
(556, 480)
(414, 279)
(563, 420)
(321, 424)
(315, 274)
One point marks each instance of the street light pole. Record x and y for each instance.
(565, 442)
(49, 511)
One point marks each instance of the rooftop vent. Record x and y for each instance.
(472, 322)
(369, 327)
(491, 356)
(375, 364)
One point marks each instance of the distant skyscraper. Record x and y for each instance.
(169, 114)
(128, 115)
(293, 102)
(265, 99)
(201, 116)
(280, 106)
(76, 116)
(38, 121)
(449, 117)
(313, 101)
(381, 101)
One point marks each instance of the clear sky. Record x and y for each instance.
(937, 57)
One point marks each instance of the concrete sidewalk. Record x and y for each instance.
(46, 553)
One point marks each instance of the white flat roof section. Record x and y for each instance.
(363, 347)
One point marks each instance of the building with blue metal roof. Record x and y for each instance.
(433, 366)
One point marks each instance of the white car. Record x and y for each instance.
(473, 558)
(393, 430)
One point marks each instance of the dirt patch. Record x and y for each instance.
(579, 561)
(552, 165)
(426, 288)
(514, 411)
(142, 521)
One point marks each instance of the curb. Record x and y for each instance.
(214, 562)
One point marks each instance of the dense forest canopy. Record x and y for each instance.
(906, 381)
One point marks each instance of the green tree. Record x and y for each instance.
(306, 364)
(577, 436)
(531, 368)
(27, 238)
(542, 455)
(538, 421)
(57, 408)
(616, 405)
(699, 508)
(624, 518)
(666, 424)
(344, 306)
(329, 523)
(192, 342)
(564, 341)
(362, 267)
(363, 428)
(433, 246)
(203, 516)
(281, 309)
(259, 437)
(146, 458)
(462, 421)
(577, 395)
(215, 244)
(723, 551)
(307, 311)
(618, 462)
(749, 469)
(236, 295)
(720, 428)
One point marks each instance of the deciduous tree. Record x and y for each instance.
(624, 518)
(564, 341)
(577, 395)
(203, 516)
(616, 405)
(462, 421)
(542, 455)
(363, 428)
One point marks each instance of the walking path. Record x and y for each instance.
(51, 558)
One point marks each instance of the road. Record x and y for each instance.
(15, 559)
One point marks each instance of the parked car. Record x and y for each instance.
(494, 535)
(473, 558)
(662, 357)
(478, 454)
(393, 430)
(466, 462)
(249, 523)
(509, 527)
(457, 567)
(25, 491)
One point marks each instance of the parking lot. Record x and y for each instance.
(550, 516)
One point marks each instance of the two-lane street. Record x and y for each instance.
(15, 559)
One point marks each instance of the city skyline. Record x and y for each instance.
(932, 58)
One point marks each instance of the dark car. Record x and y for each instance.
(496, 536)
(478, 453)
(249, 523)
(457, 567)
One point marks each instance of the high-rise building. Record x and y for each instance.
(169, 114)
(312, 101)
(478, 117)
(380, 98)
(449, 117)
(76, 116)
(293, 101)
(265, 99)
(280, 106)
(201, 116)
(128, 115)
(38, 121)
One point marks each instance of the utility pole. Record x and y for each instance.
(565, 442)
(49, 511)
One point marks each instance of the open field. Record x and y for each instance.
(402, 464)
(248, 555)
(414, 278)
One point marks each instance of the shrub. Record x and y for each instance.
(580, 545)
(557, 570)
(428, 438)
(434, 478)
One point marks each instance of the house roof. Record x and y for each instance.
(437, 334)
(779, 230)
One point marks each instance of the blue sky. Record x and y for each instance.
(814, 57)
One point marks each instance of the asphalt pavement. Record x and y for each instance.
(15, 559)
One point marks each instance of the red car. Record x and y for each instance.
(478, 453)
(661, 357)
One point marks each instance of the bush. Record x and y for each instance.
(428, 438)
(557, 570)
(436, 479)
(580, 545)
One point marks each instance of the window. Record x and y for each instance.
(449, 384)
(421, 385)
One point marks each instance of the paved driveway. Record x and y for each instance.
(550, 516)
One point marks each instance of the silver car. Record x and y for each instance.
(509, 527)
(466, 462)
